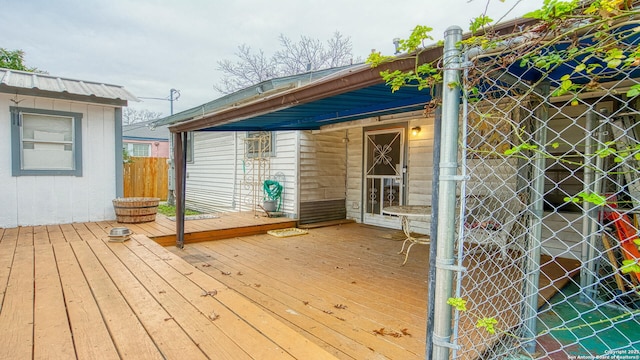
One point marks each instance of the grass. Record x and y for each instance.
(169, 210)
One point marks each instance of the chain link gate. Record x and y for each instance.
(548, 178)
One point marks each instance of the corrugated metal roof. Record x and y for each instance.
(29, 83)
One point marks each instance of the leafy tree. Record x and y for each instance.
(308, 54)
(14, 59)
(132, 116)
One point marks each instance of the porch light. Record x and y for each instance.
(415, 131)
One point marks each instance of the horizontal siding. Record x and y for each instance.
(219, 177)
(354, 174)
(562, 234)
(322, 166)
(284, 167)
(210, 185)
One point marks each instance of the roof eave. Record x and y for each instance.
(333, 85)
(248, 94)
(62, 95)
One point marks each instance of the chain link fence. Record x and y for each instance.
(545, 262)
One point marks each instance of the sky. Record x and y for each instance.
(152, 46)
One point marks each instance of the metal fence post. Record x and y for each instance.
(437, 124)
(447, 189)
(532, 274)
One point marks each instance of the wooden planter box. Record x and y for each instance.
(135, 210)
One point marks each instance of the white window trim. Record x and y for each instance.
(131, 145)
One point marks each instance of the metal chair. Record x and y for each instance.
(490, 219)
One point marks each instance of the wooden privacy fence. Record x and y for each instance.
(146, 177)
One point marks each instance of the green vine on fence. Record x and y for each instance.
(593, 40)
(490, 323)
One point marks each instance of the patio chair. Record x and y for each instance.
(489, 221)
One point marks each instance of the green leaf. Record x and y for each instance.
(479, 22)
(630, 266)
(488, 324)
(633, 91)
(459, 304)
(614, 63)
(593, 198)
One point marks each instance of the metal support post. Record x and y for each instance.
(532, 270)
(447, 194)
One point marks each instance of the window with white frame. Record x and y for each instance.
(138, 149)
(46, 142)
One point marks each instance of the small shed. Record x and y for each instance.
(62, 140)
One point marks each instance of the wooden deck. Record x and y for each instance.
(223, 226)
(69, 293)
(337, 292)
(342, 287)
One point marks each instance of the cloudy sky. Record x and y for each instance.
(151, 46)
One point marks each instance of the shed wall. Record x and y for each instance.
(42, 200)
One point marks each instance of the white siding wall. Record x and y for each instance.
(322, 166)
(420, 169)
(210, 178)
(559, 235)
(354, 174)
(285, 163)
(41, 200)
(215, 178)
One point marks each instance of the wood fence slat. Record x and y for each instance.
(146, 177)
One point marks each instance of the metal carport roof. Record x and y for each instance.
(353, 93)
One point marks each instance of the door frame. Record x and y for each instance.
(381, 219)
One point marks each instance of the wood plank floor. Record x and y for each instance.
(66, 292)
(222, 226)
(342, 287)
(337, 292)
